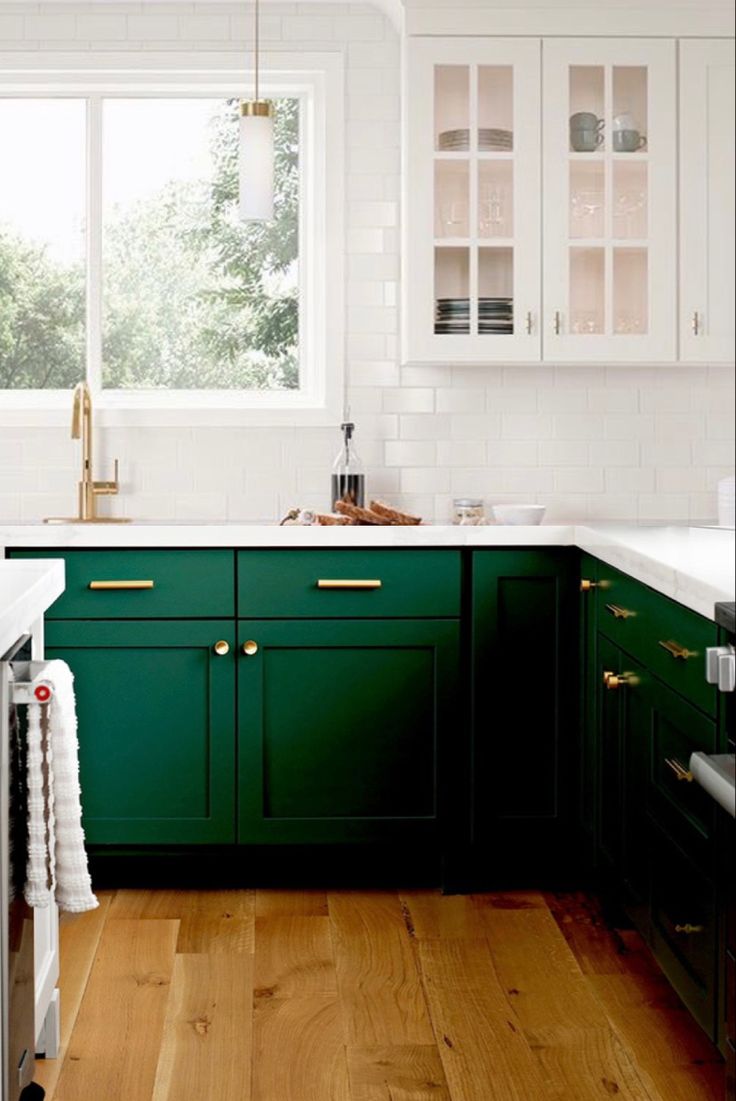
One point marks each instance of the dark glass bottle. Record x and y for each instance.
(348, 478)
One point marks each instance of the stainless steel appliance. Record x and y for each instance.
(716, 774)
(16, 918)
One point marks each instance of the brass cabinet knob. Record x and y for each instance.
(250, 648)
(221, 648)
(586, 585)
(614, 681)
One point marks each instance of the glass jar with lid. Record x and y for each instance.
(468, 511)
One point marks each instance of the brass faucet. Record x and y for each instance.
(89, 489)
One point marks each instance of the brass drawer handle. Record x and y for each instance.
(221, 648)
(348, 583)
(676, 650)
(108, 586)
(681, 773)
(688, 928)
(619, 612)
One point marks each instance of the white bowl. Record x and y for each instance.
(519, 514)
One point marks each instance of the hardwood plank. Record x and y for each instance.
(273, 903)
(483, 1049)
(580, 1055)
(115, 1044)
(79, 935)
(211, 921)
(429, 915)
(207, 1040)
(596, 947)
(381, 995)
(299, 1052)
(409, 1073)
(294, 957)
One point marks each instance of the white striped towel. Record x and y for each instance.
(57, 859)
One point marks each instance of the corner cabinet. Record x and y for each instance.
(472, 218)
(610, 191)
(707, 109)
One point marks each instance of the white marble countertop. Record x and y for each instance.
(27, 589)
(694, 566)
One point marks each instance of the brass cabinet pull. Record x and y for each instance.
(676, 650)
(250, 648)
(688, 928)
(619, 612)
(221, 648)
(348, 583)
(109, 586)
(681, 773)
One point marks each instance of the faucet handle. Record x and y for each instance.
(108, 489)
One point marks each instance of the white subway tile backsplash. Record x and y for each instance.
(587, 440)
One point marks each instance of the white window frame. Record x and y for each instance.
(318, 80)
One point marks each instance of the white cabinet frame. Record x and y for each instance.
(419, 341)
(707, 108)
(659, 342)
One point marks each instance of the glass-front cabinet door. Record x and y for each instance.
(472, 210)
(609, 210)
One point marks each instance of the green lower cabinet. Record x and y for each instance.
(345, 729)
(525, 721)
(156, 714)
(684, 928)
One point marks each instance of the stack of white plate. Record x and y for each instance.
(490, 140)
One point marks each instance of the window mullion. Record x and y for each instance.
(94, 243)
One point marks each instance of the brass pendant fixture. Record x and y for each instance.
(256, 158)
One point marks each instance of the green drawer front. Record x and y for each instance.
(656, 630)
(285, 584)
(683, 928)
(187, 584)
(686, 813)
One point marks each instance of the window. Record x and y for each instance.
(122, 259)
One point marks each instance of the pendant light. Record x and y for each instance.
(256, 150)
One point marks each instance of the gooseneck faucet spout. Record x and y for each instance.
(89, 490)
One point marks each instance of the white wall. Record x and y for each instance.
(587, 441)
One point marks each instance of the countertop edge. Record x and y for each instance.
(36, 587)
(689, 565)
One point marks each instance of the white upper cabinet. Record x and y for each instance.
(472, 271)
(609, 205)
(707, 201)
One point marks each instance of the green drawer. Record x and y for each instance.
(684, 928)
(354, 584)
(186, 584)
(684, 810)
(669, 639)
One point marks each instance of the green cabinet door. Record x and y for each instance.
(525, 693)
(345, 729)
(156, 711)
(623, 763)
(588, 709)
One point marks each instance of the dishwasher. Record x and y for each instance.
(17, 973)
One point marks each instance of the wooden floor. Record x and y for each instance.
(367, 996)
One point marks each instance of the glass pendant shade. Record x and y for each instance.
(256, 161)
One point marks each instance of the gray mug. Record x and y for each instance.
(627, 141)
(585, 141)
(585, 120)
